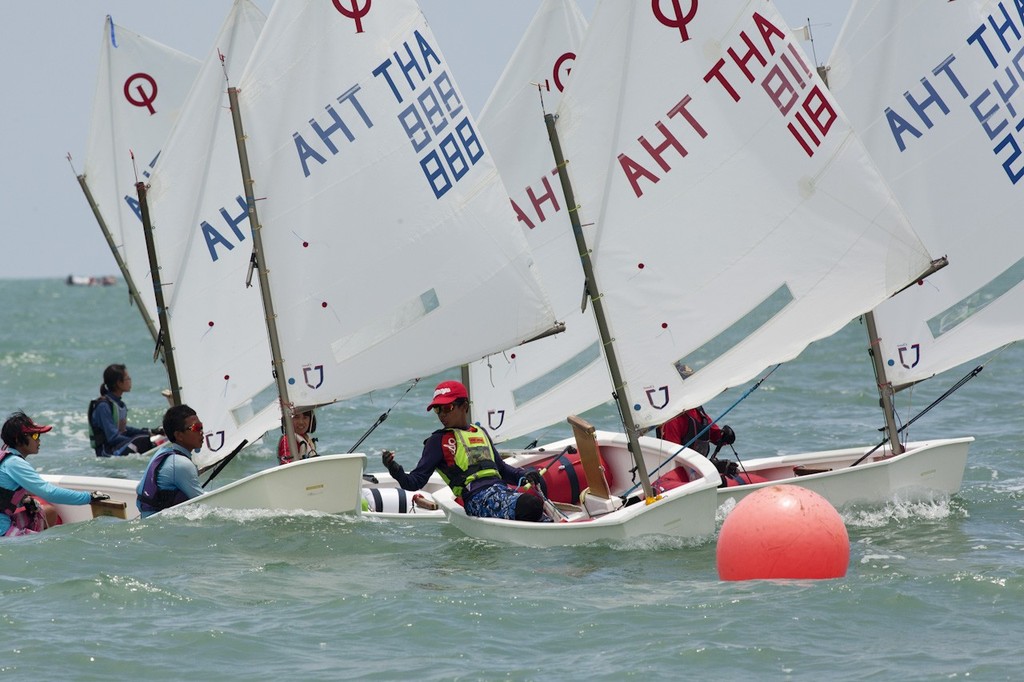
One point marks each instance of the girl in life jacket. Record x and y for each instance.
(23, 493)
(304, 423)
(109, 432)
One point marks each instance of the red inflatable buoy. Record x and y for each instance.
(783, 532)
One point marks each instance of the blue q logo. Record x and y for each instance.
(905, 353)
(491, 414)
(311, 373)
(653, 393)
(209, 441)
(678, 19)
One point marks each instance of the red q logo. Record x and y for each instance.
(678, 19)
(145, 99)
(563, 66)
(355, 13)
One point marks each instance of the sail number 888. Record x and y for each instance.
(448, 148)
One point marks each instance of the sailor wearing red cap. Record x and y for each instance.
(20, 484)
(463, 454)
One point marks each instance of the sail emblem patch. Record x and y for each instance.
(313, 373)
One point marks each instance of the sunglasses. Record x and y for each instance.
(34, 436)
(443, 409)
(195, 428)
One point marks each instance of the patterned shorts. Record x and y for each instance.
(497, 501)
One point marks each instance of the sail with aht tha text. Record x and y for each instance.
(390, 246)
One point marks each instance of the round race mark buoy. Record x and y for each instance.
(783, 531)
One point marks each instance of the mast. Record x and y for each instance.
(164, 335)
(133, 290)
(885, 390)
(464, 378)
(618, 385)
(264, 275)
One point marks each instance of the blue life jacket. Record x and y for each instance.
(152, 499)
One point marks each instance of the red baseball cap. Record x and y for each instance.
(36, 428)
(448, 392)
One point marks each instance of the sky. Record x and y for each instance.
(49, 52)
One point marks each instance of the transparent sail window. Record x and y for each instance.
(738, 331)
(404, 315)
(563, 372)
(961, 311)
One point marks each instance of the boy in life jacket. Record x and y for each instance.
(20, 513)
(109, 432)
(463, 454)
(171, 477)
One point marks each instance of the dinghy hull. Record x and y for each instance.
(329, 484)
(684, 511)
(927, 470)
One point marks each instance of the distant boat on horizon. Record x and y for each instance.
(83, 281)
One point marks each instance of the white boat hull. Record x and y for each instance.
(329, 483)
(119, 489)
(928, 469)
(687, 511)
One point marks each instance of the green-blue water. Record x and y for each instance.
(933, 591)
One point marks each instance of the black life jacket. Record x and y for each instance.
(98, 439)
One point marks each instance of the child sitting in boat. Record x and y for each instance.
(108, 418)
(23, 493)
(304, 424)
(463, 454)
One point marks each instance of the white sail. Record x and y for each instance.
(201, 234)
(934, 90)
(524, 389)
(139, 91)
(736, 216)
(391, 248)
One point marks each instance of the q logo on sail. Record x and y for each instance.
(356, 13)
(678, 19)
(145, 99)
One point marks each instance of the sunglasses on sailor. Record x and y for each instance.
(195, 428)
(443, 409)
(34, 436)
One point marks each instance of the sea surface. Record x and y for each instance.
(933, 591)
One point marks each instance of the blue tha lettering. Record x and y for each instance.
(1003, 26)
(413, 67)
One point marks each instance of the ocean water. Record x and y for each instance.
(933, 591)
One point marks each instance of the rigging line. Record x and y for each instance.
(222, 463)
(382, 417)
(729, 409)
(955, 387)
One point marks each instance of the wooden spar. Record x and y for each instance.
(885, 388)
(618, 385)
(263, 274)
(885, 391)
(164, 335)
(133, 290)
(464, 377)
